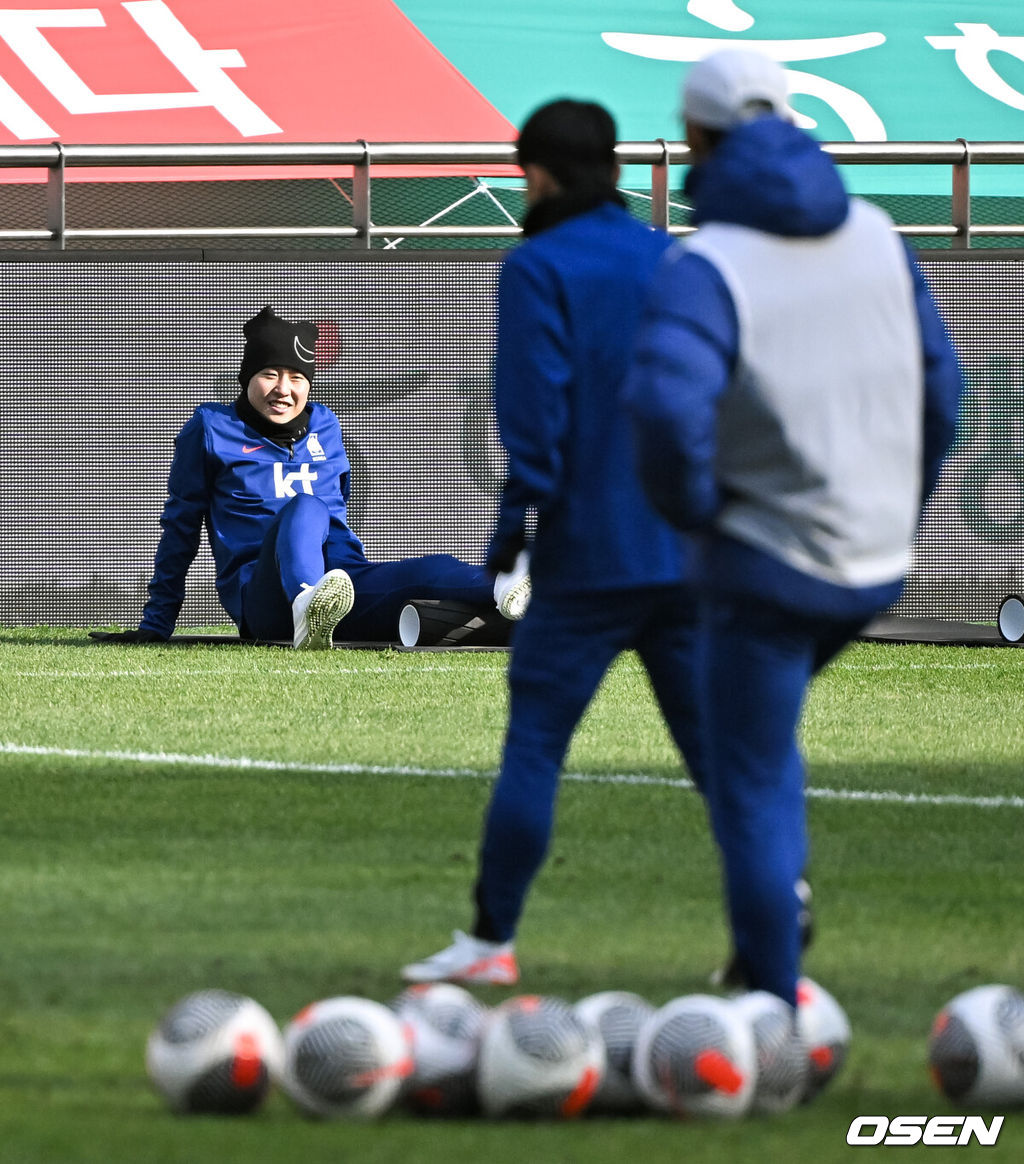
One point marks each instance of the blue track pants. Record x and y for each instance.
(560, 653)
(757, 663)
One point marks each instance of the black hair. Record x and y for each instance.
(573, 140)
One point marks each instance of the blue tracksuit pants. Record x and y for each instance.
(301, 545)
(757, 663)
(560, 653)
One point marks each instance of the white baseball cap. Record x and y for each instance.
(732, 86)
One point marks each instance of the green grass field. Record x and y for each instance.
(297, 826)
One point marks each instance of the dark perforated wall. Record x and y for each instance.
(106, 358)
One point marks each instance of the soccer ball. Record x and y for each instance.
(976, 1047)
(345, 1056)
(214, 1052)
(538, 1058)
(696, 1057)
(825, 1029)
(446, 1023)
(618, 1016)
(782, 1062)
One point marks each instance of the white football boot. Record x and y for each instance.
(512, 588)
(317, 610)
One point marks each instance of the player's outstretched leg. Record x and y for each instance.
(561, 653)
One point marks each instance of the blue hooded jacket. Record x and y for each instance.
(769, 176)
(569, 301)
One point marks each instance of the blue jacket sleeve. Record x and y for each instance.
(182, 523)
(682, 363)
(943, 382)
(532, 374)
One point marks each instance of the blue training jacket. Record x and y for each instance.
(228, 476)
(569, 301)
(770, 177)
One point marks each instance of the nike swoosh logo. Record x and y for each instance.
(250, 448)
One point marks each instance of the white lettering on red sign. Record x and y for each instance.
(203, 69)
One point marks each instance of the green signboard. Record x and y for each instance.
(860, 70)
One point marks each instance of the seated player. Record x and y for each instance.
(269, 477)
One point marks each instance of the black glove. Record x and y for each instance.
(503, 551)
(142, 635)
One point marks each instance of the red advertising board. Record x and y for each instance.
(228, 71)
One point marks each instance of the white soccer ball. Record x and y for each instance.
(345, 1056)
(782, 1063)
(976, 1048)
(618, 1016)
(825, 1029)
(695, 1056)
(445, 1023)
(214, 1052)
(538, 1058)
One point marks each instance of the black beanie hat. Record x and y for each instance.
(573, 140)
(273, 342)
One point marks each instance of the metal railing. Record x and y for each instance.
(660, 155)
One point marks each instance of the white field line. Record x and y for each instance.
(147, 673)
(391, 669)
(243, 763)
(912, 666)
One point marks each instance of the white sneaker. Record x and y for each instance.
(317, 610)
(468, 959)
(512, 589)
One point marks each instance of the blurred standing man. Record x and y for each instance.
(608, 574)
(793, 394)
